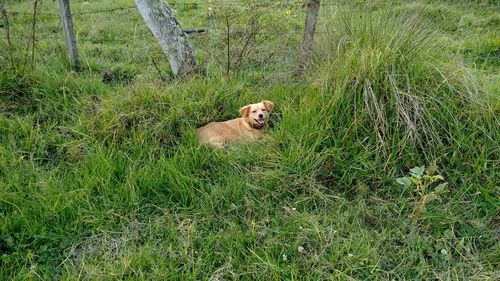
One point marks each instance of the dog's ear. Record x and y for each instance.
(244, 111)
(268, 105)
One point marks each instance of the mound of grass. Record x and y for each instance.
(391, 74)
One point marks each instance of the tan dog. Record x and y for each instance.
(249, 126)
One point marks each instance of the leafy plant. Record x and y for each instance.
(421, 183)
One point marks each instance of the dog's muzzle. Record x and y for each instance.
(259, 123)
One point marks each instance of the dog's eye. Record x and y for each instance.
(254, 111)
(263, 109)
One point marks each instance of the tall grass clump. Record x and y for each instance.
(390, 76)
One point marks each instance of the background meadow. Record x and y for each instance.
(101, 175)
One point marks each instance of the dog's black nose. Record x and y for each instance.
(261, 115)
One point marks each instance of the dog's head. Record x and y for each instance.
(257, 114)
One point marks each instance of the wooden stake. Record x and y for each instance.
(69, 34)
(308, 37)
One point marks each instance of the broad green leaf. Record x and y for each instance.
(441, 187)
(417, 171)
(404, 181)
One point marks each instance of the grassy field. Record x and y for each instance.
(102, 178)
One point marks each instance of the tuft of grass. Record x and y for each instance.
(388, 73)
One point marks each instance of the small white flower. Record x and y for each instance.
(285, 258)
(350, 255)
(301, 250)
(444, 252)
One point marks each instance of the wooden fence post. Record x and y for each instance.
(69, 34)
(308, 37)
(167, 31)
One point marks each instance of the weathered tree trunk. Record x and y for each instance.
(167, 31)
(69, 34)
(308, 37)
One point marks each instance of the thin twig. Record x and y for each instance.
(33, 30)
(250, 36)
(7, 34)
(158, 69)
(228, 46)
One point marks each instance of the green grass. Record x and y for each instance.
(101, 175)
